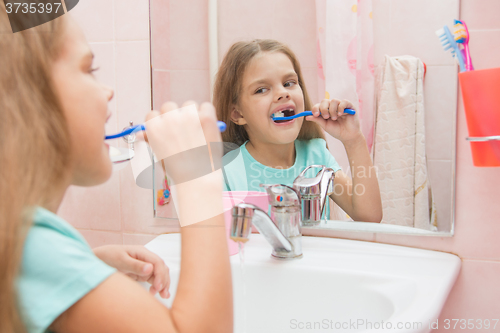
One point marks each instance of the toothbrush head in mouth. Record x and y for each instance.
(283, 113)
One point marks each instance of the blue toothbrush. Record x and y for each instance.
(448, 42)
(308, 113)
(222, 127)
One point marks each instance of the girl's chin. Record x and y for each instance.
(93, 168)
(104, 173)
(286, 138)
(101, 172)
(96, 177)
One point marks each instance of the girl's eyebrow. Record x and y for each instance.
(257, 82)
(291, 74)
(261, 81)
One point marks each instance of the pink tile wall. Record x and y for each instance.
(180, 43)
(117, 212)
(180, 51)
(292, 22)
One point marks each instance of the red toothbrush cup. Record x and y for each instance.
(481, 97)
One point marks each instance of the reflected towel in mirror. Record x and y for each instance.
(399, 153)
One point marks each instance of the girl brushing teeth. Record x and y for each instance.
(261, 79)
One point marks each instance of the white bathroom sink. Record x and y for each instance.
(338, 286)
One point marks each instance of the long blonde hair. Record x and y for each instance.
(34, 145)
(228, 85)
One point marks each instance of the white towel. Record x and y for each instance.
(399, 153)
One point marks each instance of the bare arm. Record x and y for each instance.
(359, 197)
(204, 294)
(203, 302)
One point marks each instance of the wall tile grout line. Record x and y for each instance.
(117, 117)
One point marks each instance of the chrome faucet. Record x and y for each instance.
(313, 192)
(281, 230)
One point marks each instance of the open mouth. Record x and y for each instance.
(283, 113)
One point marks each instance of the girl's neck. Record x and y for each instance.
(54, 202)
(278, 156)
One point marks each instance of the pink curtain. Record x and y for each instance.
(345, 58)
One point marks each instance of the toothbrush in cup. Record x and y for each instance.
(222, 127)
(448, 42)
(461, 34)
(307, 113)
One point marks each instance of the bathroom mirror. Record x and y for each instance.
(189, 38)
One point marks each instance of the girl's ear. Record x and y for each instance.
(237, 117)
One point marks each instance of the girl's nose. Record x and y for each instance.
(109, 92)
(282, 94)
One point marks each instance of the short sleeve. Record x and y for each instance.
(321, 154)
(331, 162)
(234, 171)
(58, 268)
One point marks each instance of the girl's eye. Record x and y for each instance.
(289, 83)
(261, 90)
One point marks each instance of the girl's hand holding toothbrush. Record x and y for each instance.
(179, 131)
(182, 138)
(329, 114)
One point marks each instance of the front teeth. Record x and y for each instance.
(281, 113)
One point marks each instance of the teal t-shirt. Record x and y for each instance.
(58, 268)
(242, 172)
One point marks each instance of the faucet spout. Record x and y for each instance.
(281, 230)
(314, 192)
(246, 215)
(326, 185)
